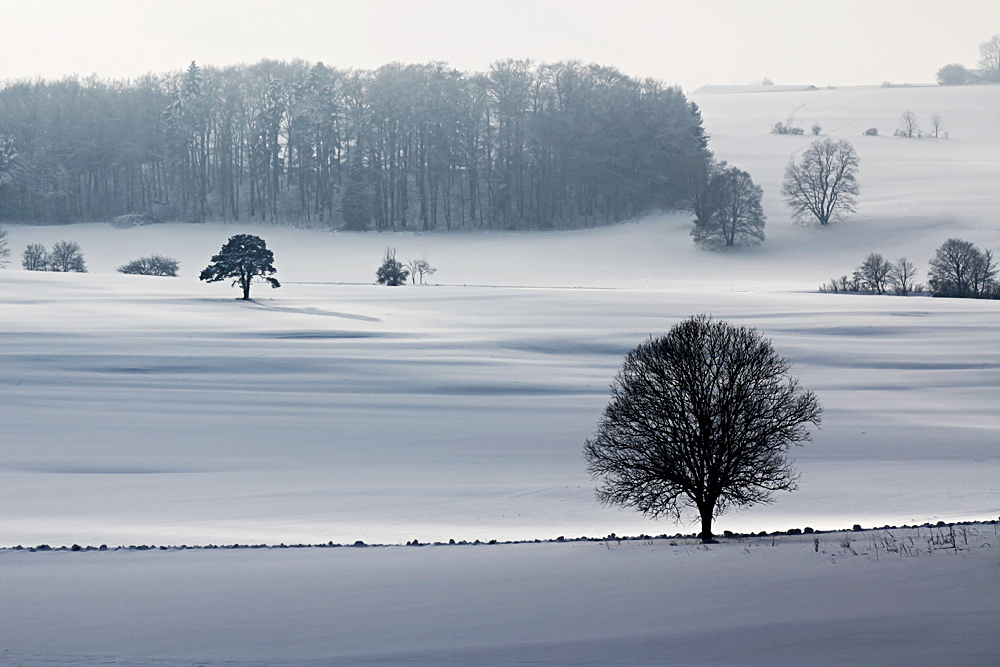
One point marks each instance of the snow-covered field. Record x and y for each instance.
(162, 411)
(780, 604)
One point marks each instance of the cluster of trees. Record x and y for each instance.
(400, 147)
(877, 275)
(393, 273)
(909, 126)
(64, 257)
(958, 269)
(956, 74)
(788, 127)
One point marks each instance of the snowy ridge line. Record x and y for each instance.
(727, 535)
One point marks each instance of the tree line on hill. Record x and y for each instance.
(401, 147)
(958, 269)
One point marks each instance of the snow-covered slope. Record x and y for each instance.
(785, 602)
(143, 410)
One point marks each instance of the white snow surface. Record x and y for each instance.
(145, 410)
(781, 603)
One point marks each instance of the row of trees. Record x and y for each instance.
(958, 269)
(400, 147)
(65, 257)
(909, 126)
(877, 275)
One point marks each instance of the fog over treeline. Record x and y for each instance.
(522, 145)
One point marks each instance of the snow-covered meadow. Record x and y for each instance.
(142, 410)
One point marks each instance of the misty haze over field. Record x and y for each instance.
(229, 440)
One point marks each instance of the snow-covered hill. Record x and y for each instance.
(143, 410)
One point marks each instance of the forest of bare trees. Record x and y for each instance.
(523, 145)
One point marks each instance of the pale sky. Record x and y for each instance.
(690, 43)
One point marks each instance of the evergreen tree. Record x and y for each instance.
(246, 259)
(392, 272)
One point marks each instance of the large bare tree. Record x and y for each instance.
(824, 185)
(702, 417)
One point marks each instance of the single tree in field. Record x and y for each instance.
(4, 249)
(421, 268)
(35, 258)
(908, 125)
(736, 217)
(902, 276)
(824, 185)
(989, 58)
(391, 272)
(701, 418)
(961, 269)
(245, 258)
(65, 257)
(873, 274)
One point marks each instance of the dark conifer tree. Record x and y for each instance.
(246, 259)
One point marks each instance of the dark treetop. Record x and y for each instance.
(244, 258)
(702, 417)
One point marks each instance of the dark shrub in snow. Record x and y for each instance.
(154, 265)
(391, 272)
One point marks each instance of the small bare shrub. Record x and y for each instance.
(786, 128)
(154, 265)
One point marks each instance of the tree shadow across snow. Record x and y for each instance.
(314, 311)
